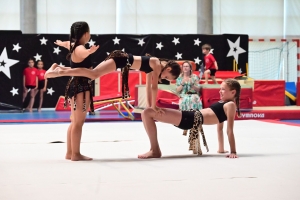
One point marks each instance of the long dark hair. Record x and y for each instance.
(235, 85)
(175, 67)
(78, 29)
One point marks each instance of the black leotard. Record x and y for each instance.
(219, 111)
(145, 66)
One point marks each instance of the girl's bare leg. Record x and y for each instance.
(76, 129)
(41, 99)
(25, 94)
(69, 146)
(103, 68)
(31, 102)
(149, 116)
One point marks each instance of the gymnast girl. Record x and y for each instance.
(217, 113)
(79, 89)
(155, 68)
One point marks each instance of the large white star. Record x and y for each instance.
(159, 46)
(14, 91)
(16, 47)
(235, 49)
(178, 55)
(141, 42)
(43, 41)
(176, 41)
(116, 40)
(197, 60)
(6, 63)
(91, 43)
(197, 42)
(50, 91)
(37, 57)
(56, 50)
(211, 51)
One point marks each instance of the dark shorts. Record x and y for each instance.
(41, 85)
(187, 120)
(30, 86)
(121, 58)
(212, 72)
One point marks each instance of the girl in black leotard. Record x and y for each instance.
(216, 114)
(79, 89)
(155, 68)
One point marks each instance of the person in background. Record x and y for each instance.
(30, 81)
(211, 65)
(42, 82)
(187, 85)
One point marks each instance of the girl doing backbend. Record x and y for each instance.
(217, 113)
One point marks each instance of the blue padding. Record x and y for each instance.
(291, 88)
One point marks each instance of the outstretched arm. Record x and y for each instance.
(65, 44)
(221, 138)
(230, 110)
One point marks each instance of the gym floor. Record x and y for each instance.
(33, 165)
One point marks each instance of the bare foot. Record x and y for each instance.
(78, 157)
(68, 156)
(53, 71)
(39, 110)
(150, 154)
(224, 151)
(30, 110)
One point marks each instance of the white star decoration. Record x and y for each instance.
(50, 91)
(60, 64)
(56, 50)
(211, 51)
(141, 42)
(197, 60)
(91, 43)
(123, 49)
(16, 47)
(6, 63)
(116, 40)
(176, 41)
(235, 49)
(240, 71)
(37, 57)
(159, 46)
(178, 55)
(197, 42)
(14, 91)
(43, 41)
(107, 53)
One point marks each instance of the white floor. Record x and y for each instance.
(31, 167)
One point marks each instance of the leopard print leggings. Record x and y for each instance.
(194, 134)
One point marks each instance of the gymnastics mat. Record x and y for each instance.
(269, 93)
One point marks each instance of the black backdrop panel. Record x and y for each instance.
(185, 47)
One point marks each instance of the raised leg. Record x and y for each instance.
(103, 68)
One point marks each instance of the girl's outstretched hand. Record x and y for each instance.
(93, 48)
(58, 42)
(158, 110)
(232, 155)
